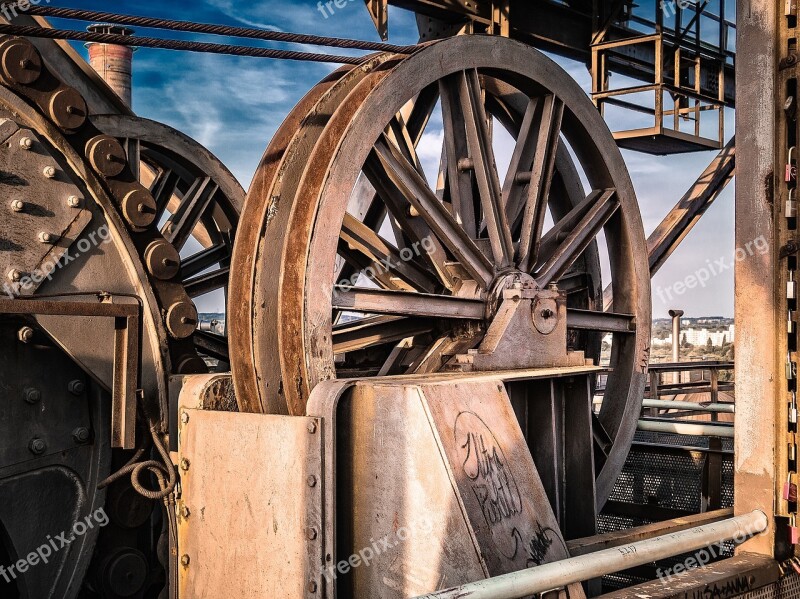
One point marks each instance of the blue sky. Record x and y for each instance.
(234, 105)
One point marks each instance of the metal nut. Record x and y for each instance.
(312, 586)
(106, 155)
(311, 533)
(45, 237)
(17, 205)
(49, 172)
(76, 387)
(312, 427)
(185, 512)
(74, 202)
(25, 334)
(312, 480)
(32, 395)
(26, 143)
(81, 435)
(184, 418)
(37, 446)
(185, 560)
(184, 464)
(14, 275)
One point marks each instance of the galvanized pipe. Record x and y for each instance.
(699, 429)
(662, 404)
(594, 565)
(676, 341)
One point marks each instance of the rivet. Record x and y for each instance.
(37, 446)
(184, 464)
(45, 237)
(33, 396)
(14, 275)
(49, 172)
(185, 512)
(17, 205)
(312, 586)
(312, 427)
(312, 481)
(26, 143)
(76, 387)
(25, 334)
(185, 560)
(311, 533)
(74, 202)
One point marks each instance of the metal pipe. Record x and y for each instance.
(662, 404)
(557, 575)
(698, 429)
(113, 62)
(676, 341)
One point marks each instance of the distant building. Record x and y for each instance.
(701, 337)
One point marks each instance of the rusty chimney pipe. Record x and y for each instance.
(113, 63)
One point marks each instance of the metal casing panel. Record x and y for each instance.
(448, 465)
(247, 485)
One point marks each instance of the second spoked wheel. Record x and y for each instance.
(379, 228)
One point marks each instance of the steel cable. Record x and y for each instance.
(164, 44)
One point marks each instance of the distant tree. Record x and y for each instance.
(709, 343)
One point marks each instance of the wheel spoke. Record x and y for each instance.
(163, 188)
(418, 117)
(560, 231)
(207, 283)
(578, 240)
(359, 237)
(606, 322)
(204, 260)
(433, 212)
(178, 229)
(380, 330)
(540, 178)
(521, 164)
(485, 168)
(211, 344)
(456, 150)
(378, 301)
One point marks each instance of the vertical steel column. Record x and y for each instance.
(759, 334)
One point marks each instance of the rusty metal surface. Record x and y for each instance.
(250, 518)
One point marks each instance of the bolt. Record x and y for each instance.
(25, 334)
(547, 313)
(312, 481)
(33, 396)
(81, 435)
(186, 320)
(73, 110)
(311, 533)
(26, 143)
(17, 205)
(184, 418)
(312, 586)
(49, 172)
(45, 237)
(184, 464)
(14, 275)
(37, 446)
(185, 512)
(312, 427)
(74, 202)
(185, 560)
(76, 387)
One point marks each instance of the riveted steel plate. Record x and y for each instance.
(38, 224)
(250, 515)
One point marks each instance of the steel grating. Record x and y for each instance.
(786, 588)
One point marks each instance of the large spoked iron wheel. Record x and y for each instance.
(356, 258)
